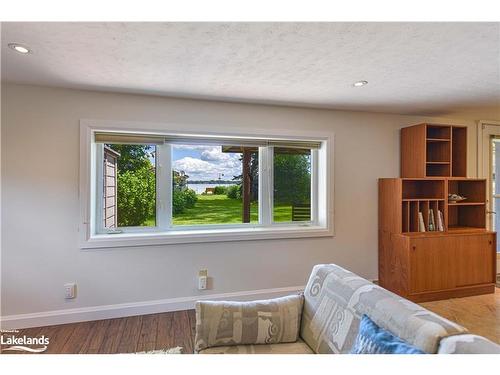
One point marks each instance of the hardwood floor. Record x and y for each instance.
(479, 314)
(121, 335)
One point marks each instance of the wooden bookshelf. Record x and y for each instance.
(458, 261)
(423, 195)
(433, 150)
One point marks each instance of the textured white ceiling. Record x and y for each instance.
(425, 68)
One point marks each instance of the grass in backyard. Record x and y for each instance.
(216, 209)
(282, 213)
(219, 209)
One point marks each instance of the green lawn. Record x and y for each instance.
(215, 209)
(219, 209)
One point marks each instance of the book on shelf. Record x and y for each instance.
(421, 224)
(432, 223)
(440, 226)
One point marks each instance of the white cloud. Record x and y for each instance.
(215, 154)
(193, 165)
(207, 162)
(198, 169)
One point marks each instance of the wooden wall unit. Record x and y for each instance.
(456, 262)
(434, 150)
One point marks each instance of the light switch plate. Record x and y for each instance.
(69, 290)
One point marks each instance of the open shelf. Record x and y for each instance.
(437, 170)
(470, 216)
(411, 208)
(422, 195)
(473, 190)
(423, 189)
(438, 132)
(438, 152)
(470, 213)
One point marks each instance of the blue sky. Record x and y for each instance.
(205, 162)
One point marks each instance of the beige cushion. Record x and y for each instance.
(336, 299)
(298, 347)
(224, 323)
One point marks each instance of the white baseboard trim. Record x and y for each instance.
(85, 314)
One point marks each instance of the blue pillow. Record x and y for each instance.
(372, 339)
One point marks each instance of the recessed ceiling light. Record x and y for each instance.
(360, 83)
(19, 48)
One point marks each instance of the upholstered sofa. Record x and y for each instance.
(325, 319)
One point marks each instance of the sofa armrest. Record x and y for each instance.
(221, 323)
(467, 344)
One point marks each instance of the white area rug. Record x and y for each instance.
(176, 350)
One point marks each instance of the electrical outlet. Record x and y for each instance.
(69, 290)
(202, 279)
(202, 282)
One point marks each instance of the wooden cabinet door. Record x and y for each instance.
(475, 258)
(431, 261)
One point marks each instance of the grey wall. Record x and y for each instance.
(40, 206)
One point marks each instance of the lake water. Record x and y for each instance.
(200, 188)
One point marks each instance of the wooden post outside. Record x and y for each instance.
(246, 185)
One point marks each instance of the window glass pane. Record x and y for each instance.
(214, 184)
(292, 185)
(129, 185)
(496, 221)
(495, 187)
(495, 144)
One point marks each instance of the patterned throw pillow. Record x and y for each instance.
(372, 339)
(222, 323)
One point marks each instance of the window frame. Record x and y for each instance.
(92, 230)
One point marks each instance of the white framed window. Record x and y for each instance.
(153, 187)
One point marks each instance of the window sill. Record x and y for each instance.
(208, 235)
